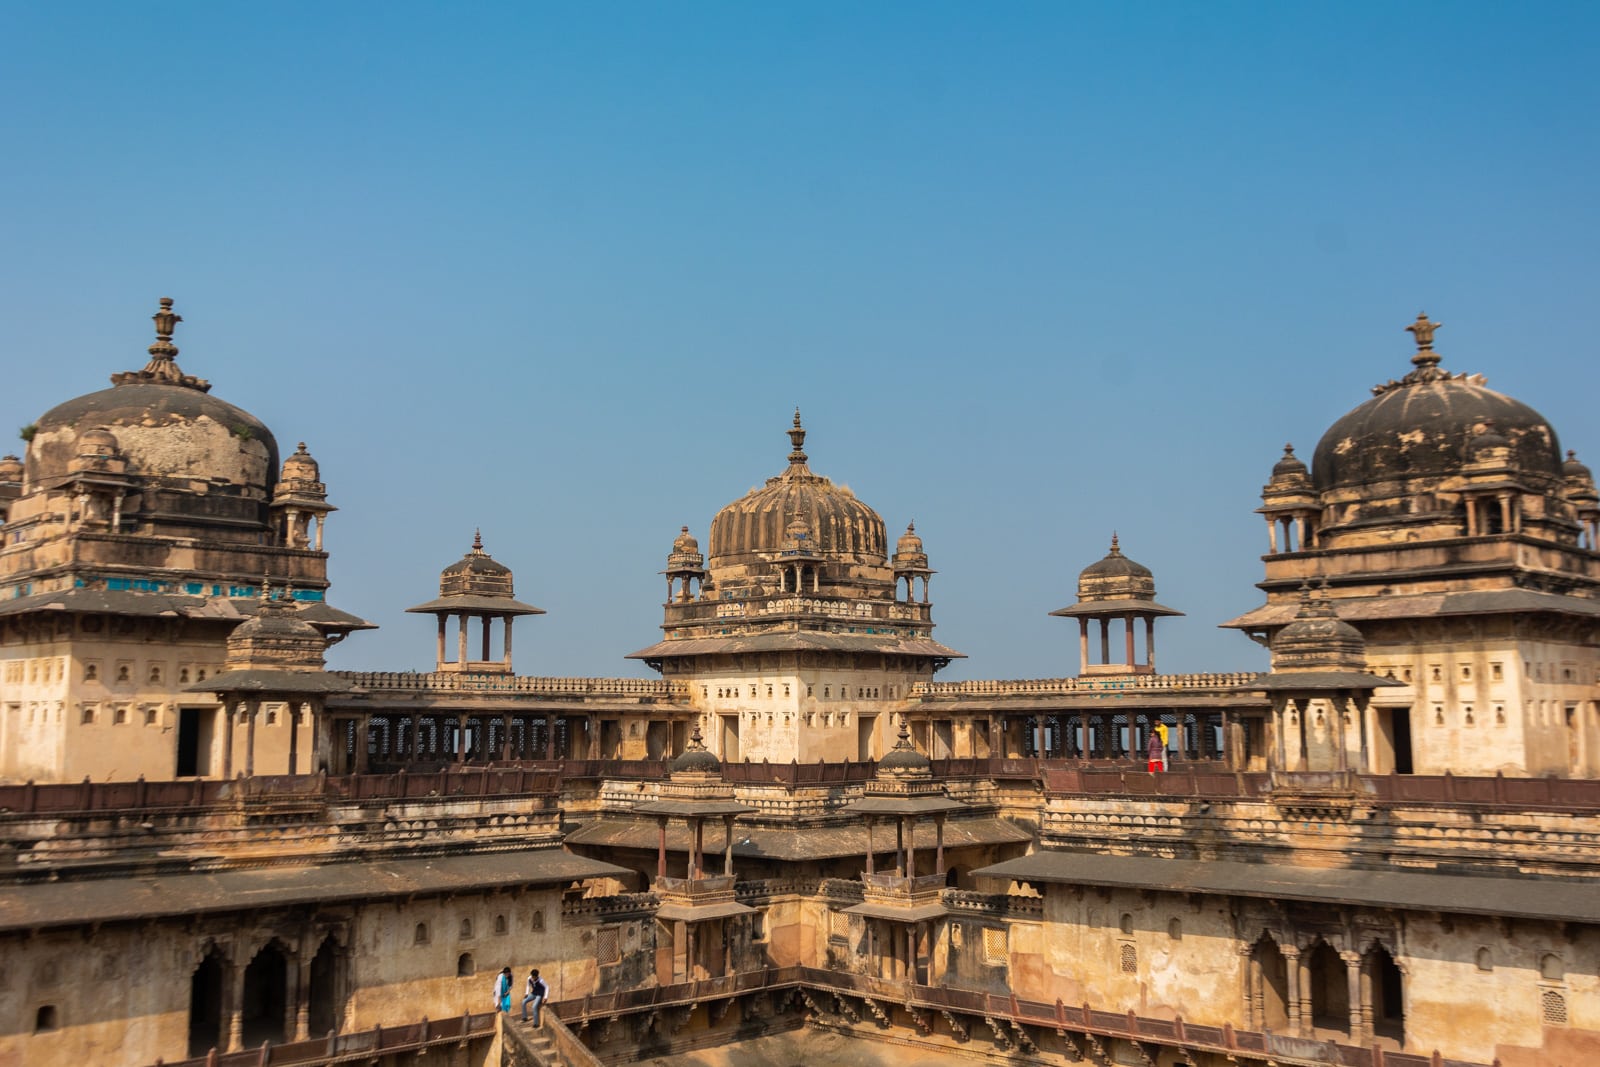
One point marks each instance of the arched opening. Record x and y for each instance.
(325, 999)
(465, 967)
(1269, 984)
(44, 1020)
(265, 985)
(205, 1005)
(1386, 995)
(1330, 989)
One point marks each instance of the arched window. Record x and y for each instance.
(1485, 960)
(1175, 930)
(44, 1020)
(465, 968)
(538, 919)
(1550, 968)
(1127, 922)
(466, 928)
(421, 936)
(499, 924)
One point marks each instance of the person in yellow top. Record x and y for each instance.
(1161, 732)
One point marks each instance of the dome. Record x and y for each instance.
(909, 544)
(696, 758)
(1115, 565)
(837, 525)
(167, 424)
(1572, 469)
(97, 442)
(300, 466)
(475, 574)
(1424, 424)
(684, 543)
(1318, 640)
(1289, 465)
(10, 469)
(903, 758)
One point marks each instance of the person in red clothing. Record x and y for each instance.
(1156, 752)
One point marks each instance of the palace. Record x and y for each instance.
(1378, 852)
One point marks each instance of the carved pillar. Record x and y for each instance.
(442, 622)
(1272, 535)
(1352, 973)
(1291, 957)
(461, 642)
(1083, 645)
(1250, 983)
(235, 1008)
(1127, 634)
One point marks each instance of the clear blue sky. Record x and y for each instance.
(1033, 272)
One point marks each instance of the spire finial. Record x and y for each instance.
(166, 321)
(1422, 330)
(477, 539)
(1116, 549)
(797, 438)
(1288, 449)
(266, 588)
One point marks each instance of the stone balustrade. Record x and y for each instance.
(1060, 686)
(467, 682)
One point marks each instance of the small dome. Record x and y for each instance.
(904, 759)
(1318, 640)
(10, 469)
(909, 544)
(1572, 469)
(1289, 465)
(301, 467)
(696, 758)
(685, 543)
(475, 574)
(1115, 565)
(1486, 438)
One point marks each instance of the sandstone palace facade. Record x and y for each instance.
(1382, 851)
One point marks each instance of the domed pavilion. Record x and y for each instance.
(1451, 534)
(797, 635)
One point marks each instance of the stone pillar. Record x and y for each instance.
(661, 846)
(293, 711)
(550, 736)
(1291, 957)
(727, 856)
(252, 708)
(235, 1008)
(900, 848)
(488, 625)
(461, 720)
(1250, 979)
(868, 821)
(443, 619)
(1150, 642)
(461, 642)
(509, 620)
(1083, 645)
(911, 847)
(228, 714)
(363, 727)
(322, 520)
(1105, 640)
(938, 839)
(1127, 633)
(1272, 535)
(1352, 972)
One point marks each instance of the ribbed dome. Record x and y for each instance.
(838, 526)
(1425, 423)
(167, 425)
(696, 758)
(685, 542)
(1318, 640)
(1572, 468)
(909, 544)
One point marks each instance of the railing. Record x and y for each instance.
(1388, 790)
(466, 782)
(517, 683)
(966, 900)
(570, 1051)
(1061, 686)
(368, 1045)
(796, 773)
(1057, 1016)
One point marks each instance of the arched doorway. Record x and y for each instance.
(1384, 994)
(1330, 989)
(1269, 984)
(325, 997)
(205, 1005)
(265, 985)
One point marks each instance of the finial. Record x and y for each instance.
(911, 527)
(1422, 330)
(1288, 449)
(300, 449)
(1116, 550)
(477, 539)
(797, 438)
(166, 321)
(904, 740)
(266, 588)
(696, 739)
